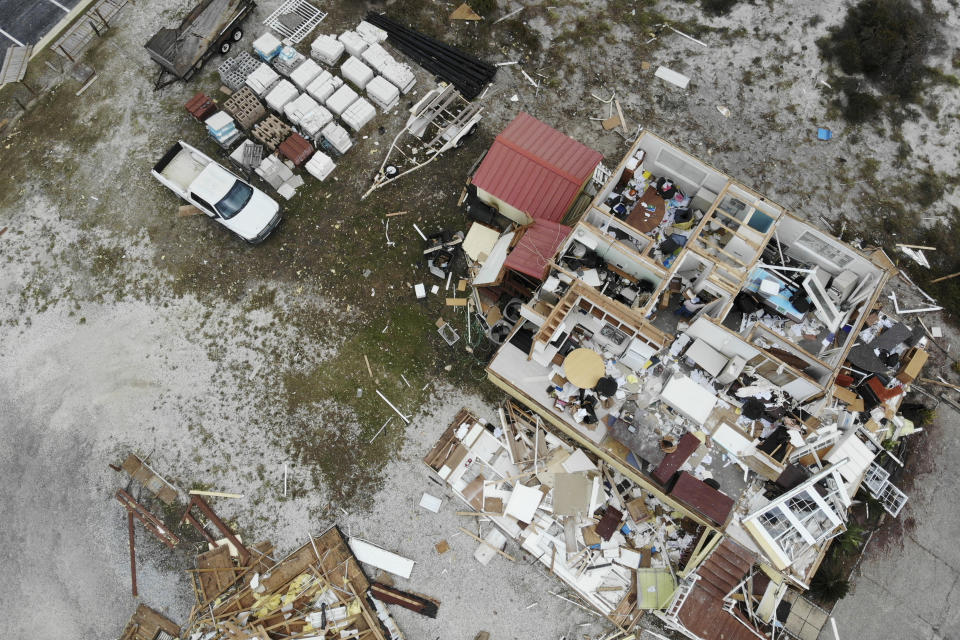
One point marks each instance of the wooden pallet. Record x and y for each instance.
(271, 132)
(93, 23)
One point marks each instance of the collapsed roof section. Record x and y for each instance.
(534, 172)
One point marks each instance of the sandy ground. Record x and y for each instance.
(109, 345)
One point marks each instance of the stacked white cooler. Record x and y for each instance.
(262, 79)
(353, 42)
(358, 114)
(383, 94)
(341, 99)
(306, 73)
(320, 165)
(326, 49)
(337, 137)
(280, 95)
(355, 72)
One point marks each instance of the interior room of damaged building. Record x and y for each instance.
(701, 383)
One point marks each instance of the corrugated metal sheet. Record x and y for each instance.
(539, 243)
(535, 168)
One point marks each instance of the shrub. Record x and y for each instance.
(850, 540)
(717, 7)
(483, 7)
(887, 41)
(861, 107)
(829, 584)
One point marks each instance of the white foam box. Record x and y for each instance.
(323, 86)
(341, 99)
(262, 79)
(376, 56)
(267, 46)
(359, 114)
(326, 49)
(320, 165)
(355, 72)
(299, 108)
(353, 42)
(382, 93)
(337, 137)
(280, 95)
(313, 122)
(400, 75)
(306, 73)
(371, 33)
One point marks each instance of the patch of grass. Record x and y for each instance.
(718, 7)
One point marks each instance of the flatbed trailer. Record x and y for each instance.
(211, 27)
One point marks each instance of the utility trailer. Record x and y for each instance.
(441, 120)
(211, 27)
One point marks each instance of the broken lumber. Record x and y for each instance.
(412, 601)
(482, 541)
(187, 210)
(214, 494)
(941, 279)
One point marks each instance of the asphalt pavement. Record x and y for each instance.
(24, 22)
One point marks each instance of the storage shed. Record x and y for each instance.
(534, 172)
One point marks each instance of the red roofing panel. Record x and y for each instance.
(702, 498)
(536, 247)
(535, 168)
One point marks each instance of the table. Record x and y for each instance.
(584, 367)
(640, 219)
(707, 358)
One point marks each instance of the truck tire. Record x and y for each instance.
(225, 47)
(236, 35)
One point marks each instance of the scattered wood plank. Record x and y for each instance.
(456, 302)
(215, 494)
(952, 275)
(397, 213)
(367, 360)
(187, 210)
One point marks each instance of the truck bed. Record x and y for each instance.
(183, 169)
(178, 50)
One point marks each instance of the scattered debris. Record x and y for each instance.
(824, 134)
(464, 12)
(672, 77)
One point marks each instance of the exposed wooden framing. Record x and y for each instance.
(133, 554)
(201, 504)
(152, 523)
(754, 243)
(713, 244)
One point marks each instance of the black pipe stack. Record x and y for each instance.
(467, 73)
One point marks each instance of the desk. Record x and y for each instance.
(584, 368)
(779, 302)
(642, 220)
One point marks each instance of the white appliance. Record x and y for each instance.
(636, 355)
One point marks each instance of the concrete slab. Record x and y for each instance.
(915, 579)
(872, 611)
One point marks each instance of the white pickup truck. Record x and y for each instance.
(240, 207)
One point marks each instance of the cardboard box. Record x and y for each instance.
(911, 365)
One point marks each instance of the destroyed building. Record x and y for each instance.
(703, 383)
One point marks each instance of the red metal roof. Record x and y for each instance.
(535, 168)
(536, 247)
